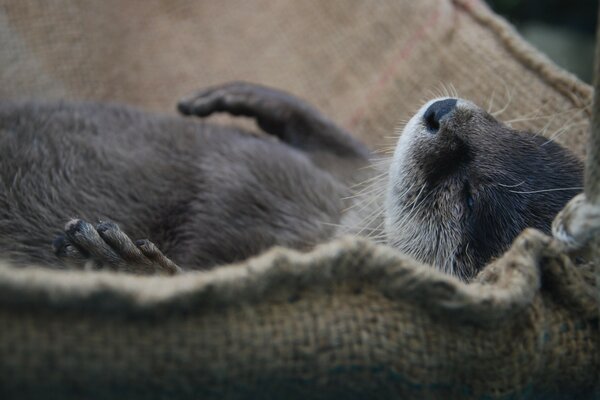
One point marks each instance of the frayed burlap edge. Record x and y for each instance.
(566, 83)
(505, 288)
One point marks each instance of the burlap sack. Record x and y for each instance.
(351, 319)
(369, 65)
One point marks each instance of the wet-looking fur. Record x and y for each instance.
(202, 195)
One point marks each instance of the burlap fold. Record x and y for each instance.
(351, 319)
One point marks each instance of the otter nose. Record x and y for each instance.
(438, 110)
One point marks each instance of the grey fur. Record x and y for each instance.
(204, 194)
(207, 195)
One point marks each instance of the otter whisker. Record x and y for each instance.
(441, 90)
(510, 186)
(365, 204)
(369, 180)
(416, 199)
(373, 186)
(379, 226)
(375, 215)
(377, 162)
(523, 119)
(391, 146)
(574, 113)
(370, 167)
(383, 165)
(366, 192)
(387, 150)
(435, 92)
(544, 130)
(535, 115)
(453, 91)
(371, 189)
(378, 210)
(340, 225)
(508, 102)
(382, 160)
(379, 237)
(407, 218)
(491, 102)
(563, 130)
(546, 190)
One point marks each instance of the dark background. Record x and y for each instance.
(563, 29)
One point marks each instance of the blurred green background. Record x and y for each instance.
(563, 29)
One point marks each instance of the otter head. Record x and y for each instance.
(462, 186)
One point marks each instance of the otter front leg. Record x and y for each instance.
(105, 246)
(283, 115)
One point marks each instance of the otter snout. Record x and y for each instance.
(436, 112)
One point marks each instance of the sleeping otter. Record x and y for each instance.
(461, 184)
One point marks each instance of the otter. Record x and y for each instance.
(153, 193)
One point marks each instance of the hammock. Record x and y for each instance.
(351, 319)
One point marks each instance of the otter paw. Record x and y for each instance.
(272, 108)
(105, 246)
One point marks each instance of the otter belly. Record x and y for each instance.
(204, 194)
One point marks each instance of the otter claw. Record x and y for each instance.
(105, 246)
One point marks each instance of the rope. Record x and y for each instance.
(577, 226)
(592, 176)
(592, 168)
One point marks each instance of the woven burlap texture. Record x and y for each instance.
(367, 65)
(350, 320)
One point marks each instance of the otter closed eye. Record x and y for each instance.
(469, 197)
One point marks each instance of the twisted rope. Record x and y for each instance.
(592, 171)
(577, 226)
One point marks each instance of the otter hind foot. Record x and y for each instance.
(106, 246)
